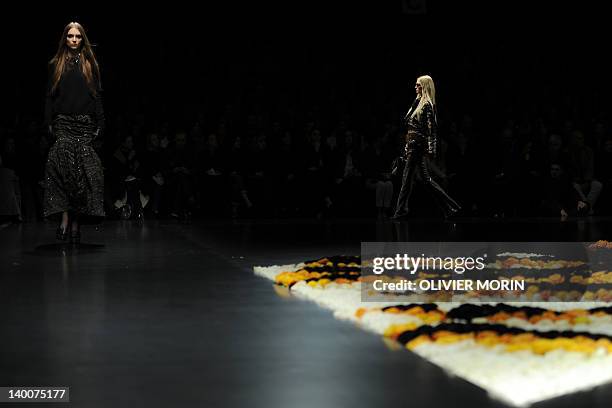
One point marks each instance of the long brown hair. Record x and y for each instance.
(89, 64)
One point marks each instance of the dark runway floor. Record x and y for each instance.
(169, 315)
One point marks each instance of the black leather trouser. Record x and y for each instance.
(416, 161)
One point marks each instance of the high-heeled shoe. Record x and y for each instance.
(61, 234)
(452, 213)
(400, 215)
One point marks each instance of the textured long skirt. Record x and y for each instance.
(74, 180)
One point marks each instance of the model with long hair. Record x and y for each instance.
(421, 142)
(74, 181)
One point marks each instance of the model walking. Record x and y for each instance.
(421, 141)
(73, 174)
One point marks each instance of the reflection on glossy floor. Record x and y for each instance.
(167, 315)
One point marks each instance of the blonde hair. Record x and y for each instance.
(428, 94)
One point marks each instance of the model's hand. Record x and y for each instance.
(431, 146)
(431, 149)
(563, 213)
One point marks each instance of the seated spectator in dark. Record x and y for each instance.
(152, 173)
(276, 133)
(32, 151)
(222, 133)
(9, 154)
(259, 176)
(10, 195)
(124, 162)
(599, 136)
(235, 167)
(463, 173)
(582, 168)
(528, 177)
(212, 156)
(285, 172)
(555, 152)
(196, 136)
(559, 197)
(315, 196)
(181, 178)
(331, 159)
(211, 186)
(349, 179)
(377, 163)
(502, 193)
(541, 134)
(124, 174)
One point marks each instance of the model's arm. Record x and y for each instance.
(49, 98)
(431, 129)
(99, 107)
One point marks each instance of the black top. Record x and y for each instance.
(424, 124)
(73, 95)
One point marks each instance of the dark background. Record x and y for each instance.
(343, 58)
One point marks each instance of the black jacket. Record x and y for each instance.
(425, 124)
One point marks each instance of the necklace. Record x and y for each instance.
(74, 59)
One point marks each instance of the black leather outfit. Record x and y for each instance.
(421, 140)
